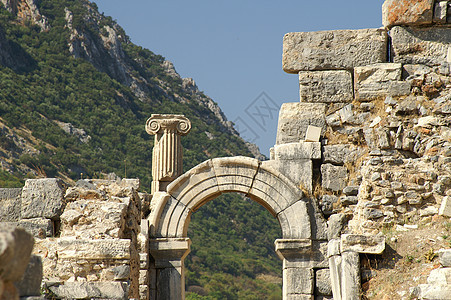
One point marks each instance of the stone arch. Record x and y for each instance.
(170, 217)
(257, 180)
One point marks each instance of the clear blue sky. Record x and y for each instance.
(233, 49)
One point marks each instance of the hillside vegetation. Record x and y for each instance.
(74, 98)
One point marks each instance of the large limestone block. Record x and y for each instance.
(378, 81)
(341, 153)
(294, 118)
(334, 178)
(421, 45)
(333, 50)
(325, 86)
(371, 244)
(350, 272)
(407, 12)
(295, 161)
(94, 219)
(10, 205)
(89, 290)
(42, 198)
(299, 171)
(297, 151)
(108, 249)
(15, 249)
(298, 281)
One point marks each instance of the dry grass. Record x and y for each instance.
(409, 258)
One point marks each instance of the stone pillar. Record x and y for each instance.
(167, 150)
(168, 258)
(298, 276)
(350, 270)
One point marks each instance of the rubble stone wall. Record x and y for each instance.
(87, 237)
(384, 115)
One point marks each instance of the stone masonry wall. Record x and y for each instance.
(384, 115)
(381, 101)
(87, 237)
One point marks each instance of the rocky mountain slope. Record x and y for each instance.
(48, 51)
(75, 94)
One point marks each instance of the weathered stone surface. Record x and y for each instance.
(15, 249)
(95, 219)
(333, 247)
(407, 12)
(432, 291)
(296, 151)
(42, 198)
(335, 275)
(351, 190)
(363, 243)
(445, 207)
(294, 118)
(350, 272)
(333, 50)
(323, 284)
(428, 46)
(334, 178)
(70, 248)
(372, 213)
(445, 257)
(440, 276)
(295, 160)
(38, 227)
(440, 12)
(335, 226)
(298, 281)
(325, 86)
(341, 153)
(10, 204)
(298, 171)
(30, 284)
(378, 81)
(86, 290)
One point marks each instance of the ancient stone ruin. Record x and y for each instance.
(367, 146)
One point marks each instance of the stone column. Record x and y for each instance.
(168, 258)
(167, 150)
(298, 276)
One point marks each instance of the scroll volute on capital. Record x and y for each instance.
(160, 123)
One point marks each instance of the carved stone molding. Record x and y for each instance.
(158, 124)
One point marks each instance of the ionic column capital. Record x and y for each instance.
(158, 123)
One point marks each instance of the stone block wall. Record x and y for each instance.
(88, 240)
(382, 98)
(382, 101)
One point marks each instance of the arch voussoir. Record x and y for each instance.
(196, 185)
(297, 224)
(235, 173)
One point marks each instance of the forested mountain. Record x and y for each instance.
(75, 93)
